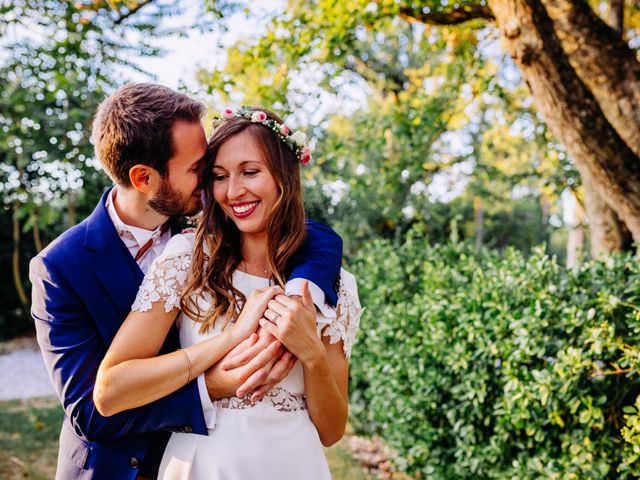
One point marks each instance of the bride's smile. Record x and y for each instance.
(242, 210)
(243, 185)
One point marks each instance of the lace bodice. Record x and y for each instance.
(167, 276)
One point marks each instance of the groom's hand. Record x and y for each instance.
(275, 372)
(257, 383)
(260, 354)
(278, 372)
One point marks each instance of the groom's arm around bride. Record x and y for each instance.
(151, 142)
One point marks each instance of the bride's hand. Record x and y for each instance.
(239, 357)
(253, 310)
(294, 324)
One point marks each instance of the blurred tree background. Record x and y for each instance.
(59, 60)
(413, 124)
(497, 128)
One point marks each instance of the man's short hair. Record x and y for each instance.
(133, 126)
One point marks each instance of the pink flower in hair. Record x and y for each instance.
(258, 117)
(284, 130)
(306, 156)
(228, 112)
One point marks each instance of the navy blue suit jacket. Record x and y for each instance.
(83, 286)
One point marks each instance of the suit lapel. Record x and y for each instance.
(112, 264)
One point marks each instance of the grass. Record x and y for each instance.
(342, 464)
(29, 443)
(29, 438)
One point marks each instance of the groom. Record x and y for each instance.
(151, 143)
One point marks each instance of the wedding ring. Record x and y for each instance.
(275, 319)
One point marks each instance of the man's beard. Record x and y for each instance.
(169, 202)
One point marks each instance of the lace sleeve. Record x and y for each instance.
(166, 277)
(348, 310)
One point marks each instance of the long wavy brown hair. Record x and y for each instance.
(217, 250)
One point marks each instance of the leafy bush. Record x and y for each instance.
(486, 365)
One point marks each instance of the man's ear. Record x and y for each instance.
(144, 178)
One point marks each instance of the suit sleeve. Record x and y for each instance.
(319, 259)
(73, 349)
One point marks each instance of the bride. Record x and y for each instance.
(252, 225)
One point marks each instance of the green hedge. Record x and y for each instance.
(493, 365)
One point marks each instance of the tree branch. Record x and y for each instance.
(616, 15)
(123, 16)
(453, 16)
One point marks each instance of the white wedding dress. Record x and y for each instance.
(273, 439)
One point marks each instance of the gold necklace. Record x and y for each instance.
(261, 269)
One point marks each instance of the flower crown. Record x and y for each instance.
(296, 141)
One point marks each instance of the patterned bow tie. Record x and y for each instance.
(157, 234)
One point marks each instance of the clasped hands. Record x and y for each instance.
(282, 330)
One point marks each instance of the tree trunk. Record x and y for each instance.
(36, 234)
(570, 109)
(575, 242)
(603, 61)
(479, 221)
(606, 232)
(545, 206)
(616, 16)
(71, 209)
(17, 276)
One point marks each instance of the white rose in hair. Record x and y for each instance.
(300, 138)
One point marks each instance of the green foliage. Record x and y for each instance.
(488, 365)
(58, 61)
(518, 224)
(373, 172)
(438, 112)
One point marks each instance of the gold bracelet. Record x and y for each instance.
(186, 357)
